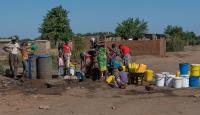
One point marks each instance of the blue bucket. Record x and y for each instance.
(194, 81)
(184, 68)
(32, 69)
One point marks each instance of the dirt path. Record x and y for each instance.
(104, 101)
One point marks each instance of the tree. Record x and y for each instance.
(132, 28)
(174, 30)
(177, 32)
(56, 25)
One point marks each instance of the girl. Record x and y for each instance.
(61, 65)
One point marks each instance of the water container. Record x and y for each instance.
(124, 68)
(194, 81)
(177, 82)
(80, 75)
(32, 67)
(169, 80)
(133, 67)
(184, 68)
(72, 71)
(142, 68)
(148, 75)
(195, 70)
(44, 66)
(185, 81)
(178, 74)
(160, 80)
(109, 79)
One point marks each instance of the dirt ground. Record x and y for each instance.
(96, 98)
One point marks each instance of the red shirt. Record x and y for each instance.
(66, 48)
(125, 50)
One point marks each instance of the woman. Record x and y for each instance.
(113, 61)
(102, 60)
(24, 52)
(67, 53)
(125, 51)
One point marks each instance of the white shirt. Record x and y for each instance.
(14, 48)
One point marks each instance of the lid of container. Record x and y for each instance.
(184, 75)
(43, 56)
(195, 64)
(178, 78)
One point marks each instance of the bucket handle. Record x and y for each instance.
(160, 79)
(166, 76)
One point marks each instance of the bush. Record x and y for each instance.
(78, 47)
(175, 44)
(54, 62)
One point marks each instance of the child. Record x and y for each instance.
(122, 78)
(61, 65)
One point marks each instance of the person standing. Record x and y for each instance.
(61, 65)
(67, 53)
(13, 49)
(125, 51)
(93, 43)
(24, 51)
(102, 61)
(113, 53)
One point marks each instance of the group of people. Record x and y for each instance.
(64, 54)
(106, 61)
(14, 49)
(103, 61)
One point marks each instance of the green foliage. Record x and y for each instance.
(95, 34)
(174, 30)
(54, 61)
(175, 44)
(78, 47)
(179, 38)
(55, 26)
(132, 28)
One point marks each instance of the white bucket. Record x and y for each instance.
(177, 82)
(165, 73)
(185, 81)
(160, 80)
(72, 71)
(169, 80)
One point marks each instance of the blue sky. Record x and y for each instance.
(23, 17)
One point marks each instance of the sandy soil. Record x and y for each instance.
(96, 98)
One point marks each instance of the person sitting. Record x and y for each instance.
(122, 78)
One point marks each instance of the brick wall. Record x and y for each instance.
(144, 47)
